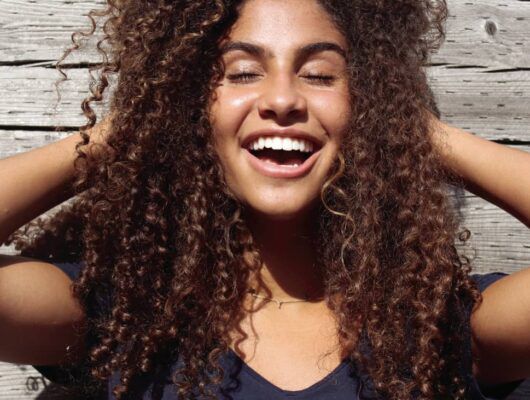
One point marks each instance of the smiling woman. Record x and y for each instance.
(260, 152)
(286, 77)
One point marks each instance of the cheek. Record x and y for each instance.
(333, 111)
(229, 111)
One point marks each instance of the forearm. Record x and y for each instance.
(34, 182)
(495, 172)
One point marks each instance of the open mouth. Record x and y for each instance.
(291, 158)
(282, 158)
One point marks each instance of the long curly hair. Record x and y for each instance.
(163, 236)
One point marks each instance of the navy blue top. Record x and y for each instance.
(241, 382)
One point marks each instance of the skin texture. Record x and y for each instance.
(282, 92)
(177, 228)
(283, 89)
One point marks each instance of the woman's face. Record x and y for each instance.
(282, 105)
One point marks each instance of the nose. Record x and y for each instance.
(282, 100)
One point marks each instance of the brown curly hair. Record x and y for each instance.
(161, 233)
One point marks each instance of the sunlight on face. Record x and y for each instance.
(285, 91)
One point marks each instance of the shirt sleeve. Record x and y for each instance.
(482, 391)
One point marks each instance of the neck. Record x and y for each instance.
(289, 270)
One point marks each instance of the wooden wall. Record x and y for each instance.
(481, 79)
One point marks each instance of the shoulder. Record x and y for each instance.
(484, 280)
(499, 327)
(38, 310)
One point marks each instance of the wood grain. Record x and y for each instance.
(494, 105)
(487, 33)
(480, 77)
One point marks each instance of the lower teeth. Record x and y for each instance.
(283, 165)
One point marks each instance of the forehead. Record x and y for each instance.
(284, 24)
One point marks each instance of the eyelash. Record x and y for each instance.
(246, 77)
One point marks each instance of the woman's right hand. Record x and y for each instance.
(35, 181)
(38, 313)
(99, 133)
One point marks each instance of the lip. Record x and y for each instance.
(280, 171)
(289, 132)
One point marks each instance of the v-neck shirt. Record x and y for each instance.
(241, 382)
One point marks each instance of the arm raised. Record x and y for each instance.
(38, 314)
(37, 180)
(501, 324)
(495, 172)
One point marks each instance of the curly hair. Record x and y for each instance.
(161, 232)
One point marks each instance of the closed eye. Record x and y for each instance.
(248, 77)
(322, 79)
(244, 77)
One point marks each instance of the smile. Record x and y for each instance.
(287, 159)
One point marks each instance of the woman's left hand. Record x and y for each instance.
(495, 172)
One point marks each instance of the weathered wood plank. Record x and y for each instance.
(38, 31)
(502, 242)
(22, 382)
(494, 105)
(489, 33)
(13, 142)
(28, 97)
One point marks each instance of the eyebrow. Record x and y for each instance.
(301, 52)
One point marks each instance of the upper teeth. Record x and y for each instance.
(281, 143)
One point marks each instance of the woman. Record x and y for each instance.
(264, 215)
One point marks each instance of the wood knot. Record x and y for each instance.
(491, 28)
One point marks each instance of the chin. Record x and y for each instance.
(281, 210)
